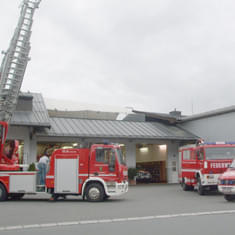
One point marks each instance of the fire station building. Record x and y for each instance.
(150, 141)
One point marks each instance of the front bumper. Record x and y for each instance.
(117, 189)
(226, 189)
(210, 179)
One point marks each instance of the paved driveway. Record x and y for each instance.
(164, 207)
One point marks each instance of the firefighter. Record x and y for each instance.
(42, 167)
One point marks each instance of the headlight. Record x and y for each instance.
(210, 176)
(231, 182)
(222, 181)
(111, 184)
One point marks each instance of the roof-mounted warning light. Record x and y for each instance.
(218, 143)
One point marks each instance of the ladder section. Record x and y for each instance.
(15, 60)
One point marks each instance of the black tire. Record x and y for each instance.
(184, 186)
(95, 192)
(200, 188)
(3, 193)
(229, 198)
(106, 197)
(16, 196)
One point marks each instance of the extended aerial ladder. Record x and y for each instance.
(13, 69)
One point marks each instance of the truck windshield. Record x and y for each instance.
(121, 158)
(233, 164)
(218, 153)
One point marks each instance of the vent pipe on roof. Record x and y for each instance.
(175, 113)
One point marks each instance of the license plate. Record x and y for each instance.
(227, 189)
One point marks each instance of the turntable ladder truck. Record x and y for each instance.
(12, 73)
(94, 173)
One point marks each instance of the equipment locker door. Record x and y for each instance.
(23, 182)
(66, 175)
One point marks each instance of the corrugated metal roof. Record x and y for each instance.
(37, 117)
(84, 114)
(62, 127)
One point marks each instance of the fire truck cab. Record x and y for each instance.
(202, 164)
(226, 184)
(94, 173)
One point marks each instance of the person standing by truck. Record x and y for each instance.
(42, 167)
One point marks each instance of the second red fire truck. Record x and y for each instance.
(201, 165)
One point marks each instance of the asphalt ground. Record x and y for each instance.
(144, 209)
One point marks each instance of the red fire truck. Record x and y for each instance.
(201, 165)
(226, 183)
(95, 173)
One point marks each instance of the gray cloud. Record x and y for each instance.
(151, 55)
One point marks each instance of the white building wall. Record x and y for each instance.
(30, 141)
(172, 162)
(216, 128)
(131, 154)
(16, 132)
(32, 149)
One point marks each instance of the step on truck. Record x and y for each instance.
(94, 173)
(200, 165)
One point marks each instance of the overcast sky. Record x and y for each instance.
(152, 55)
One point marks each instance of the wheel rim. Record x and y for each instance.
(94, 193)
(1, 193)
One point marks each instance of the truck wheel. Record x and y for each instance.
(94, 192)
(200, 189)
(3, 193)
(16, 196)
(106, 197)
(229, 198)
(184, 186)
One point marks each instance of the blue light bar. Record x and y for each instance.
(218, 142)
